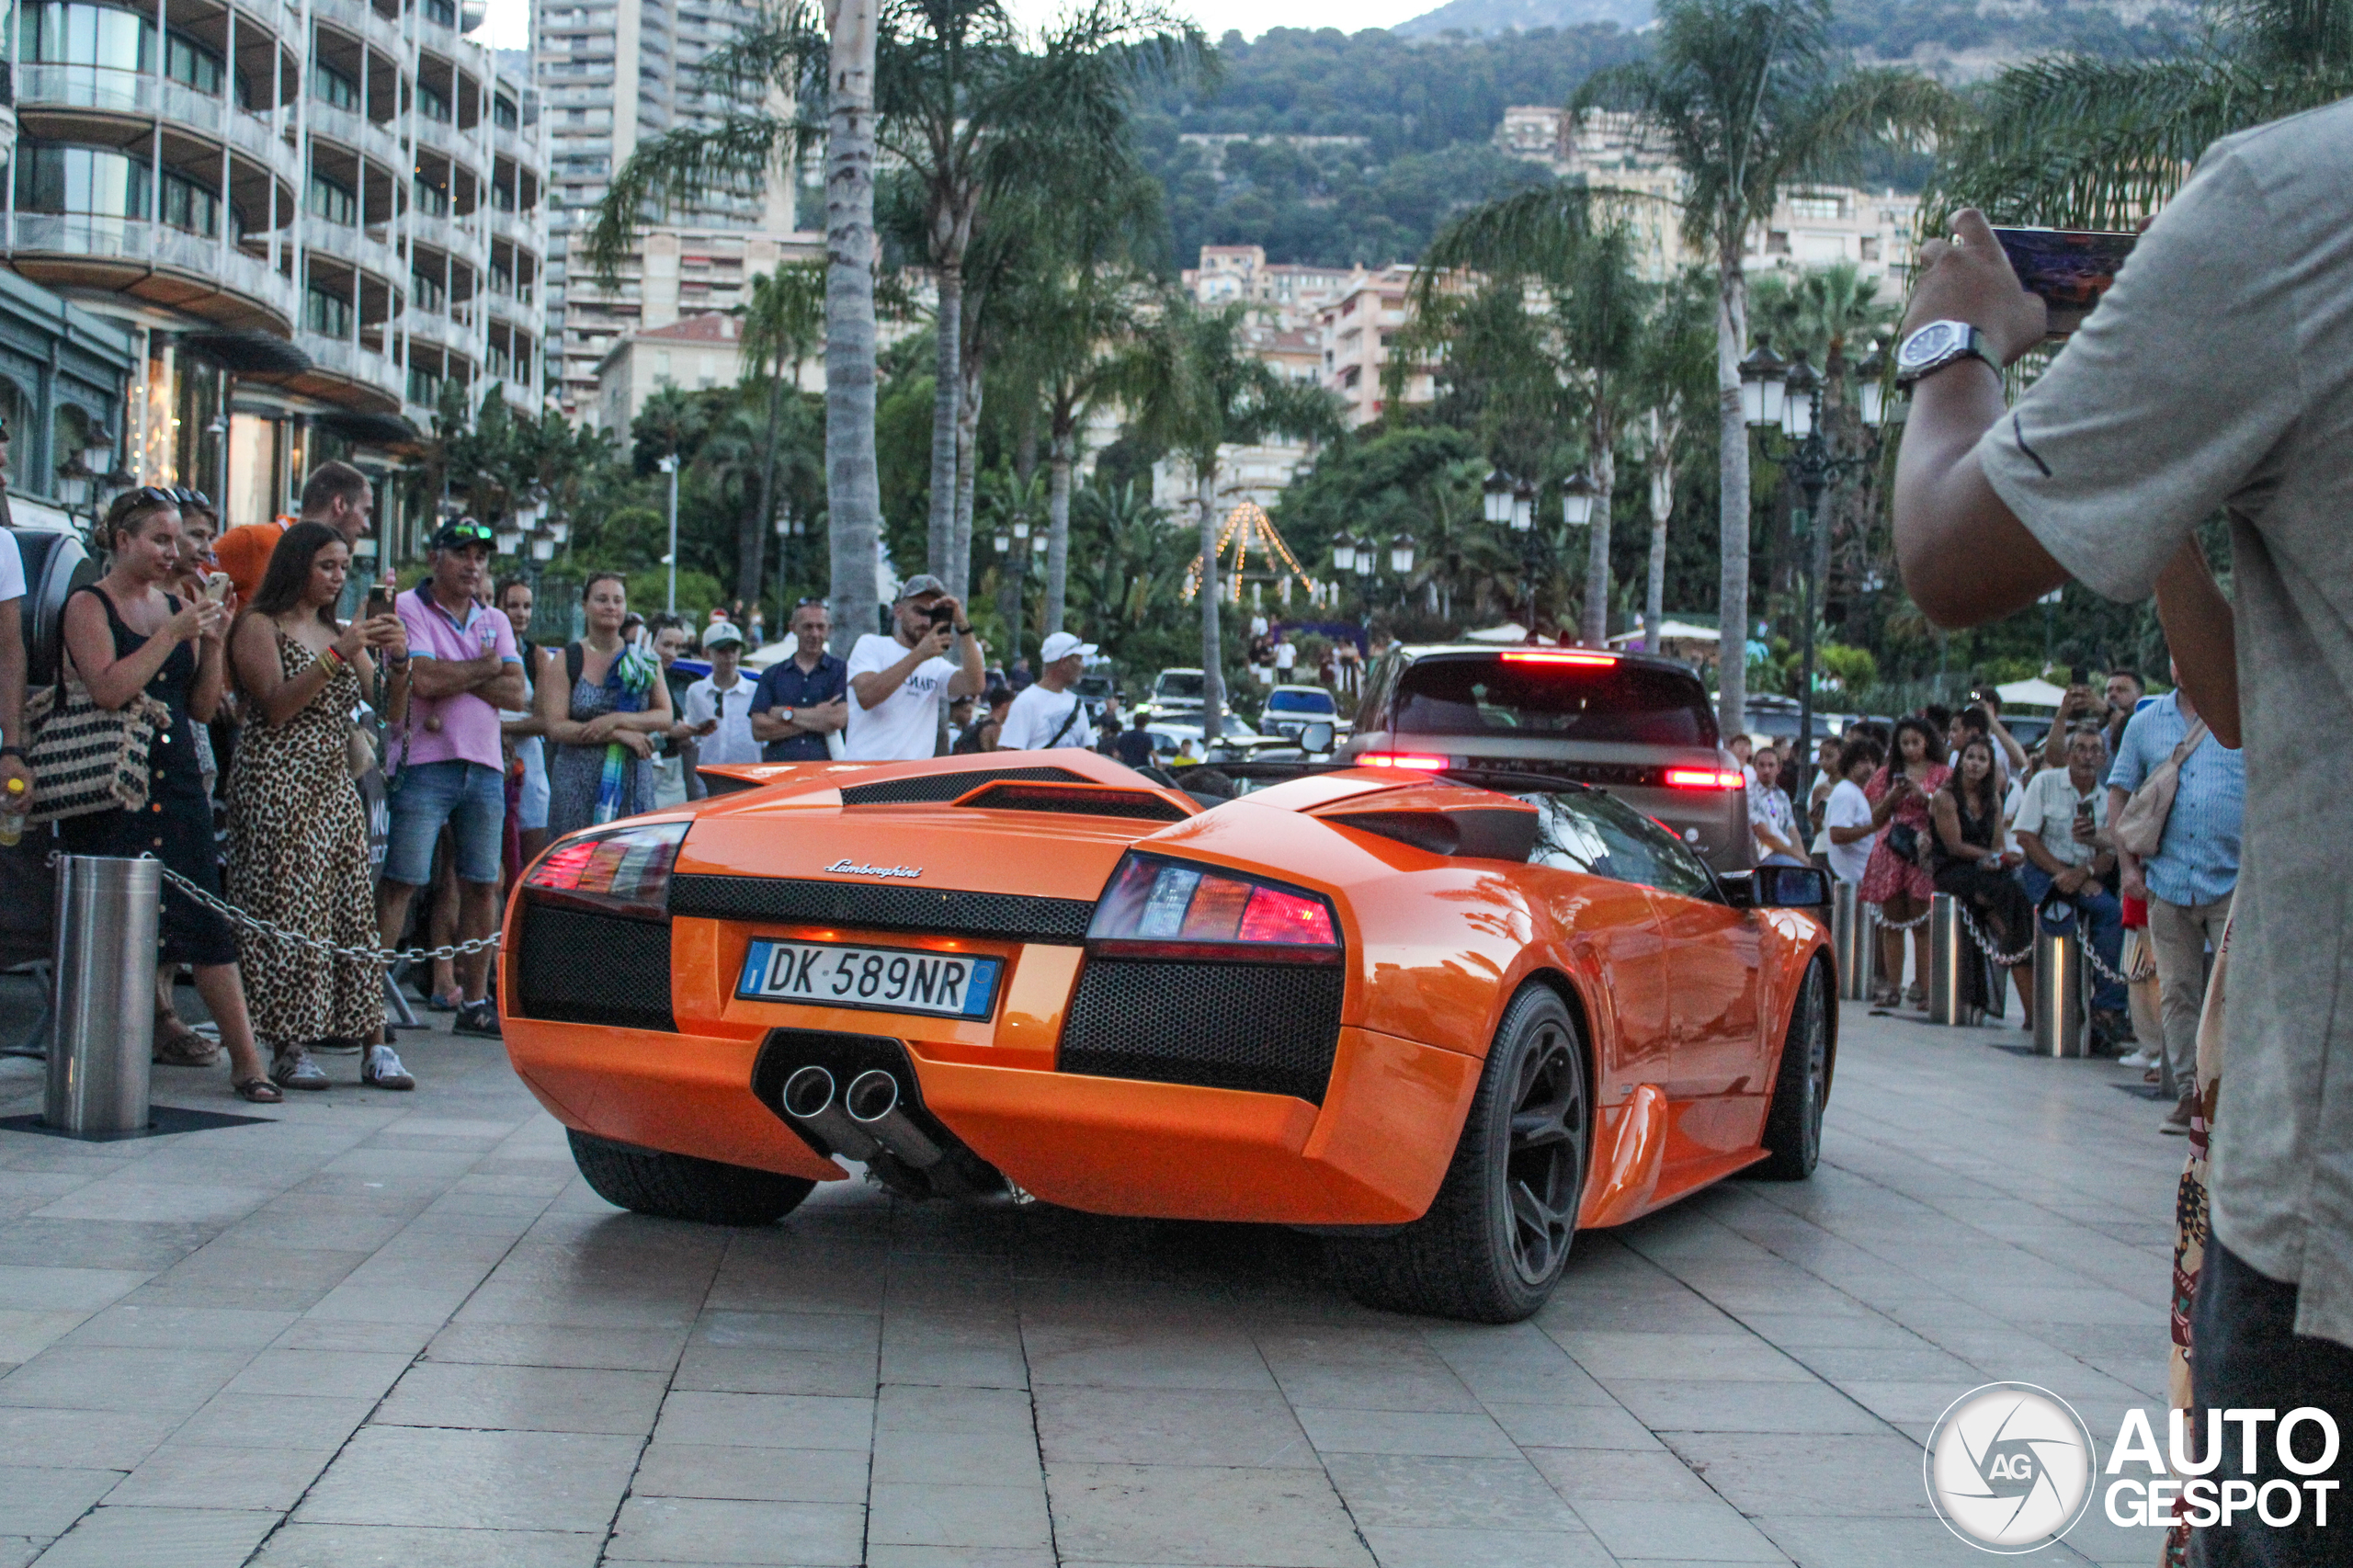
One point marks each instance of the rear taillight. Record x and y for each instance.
(1705, 778)
(624, 871)
(1420, 762)
(1558, 656)
(1160, 908)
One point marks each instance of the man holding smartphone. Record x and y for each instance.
(2216, 376)
(896, 682)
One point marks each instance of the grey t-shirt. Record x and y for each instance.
(2219, 374)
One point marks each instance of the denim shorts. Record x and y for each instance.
(469, 797)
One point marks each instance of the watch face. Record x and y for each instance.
(1931, 342)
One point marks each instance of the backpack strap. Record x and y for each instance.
(575, 659)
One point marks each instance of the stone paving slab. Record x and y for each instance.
(398, 1332)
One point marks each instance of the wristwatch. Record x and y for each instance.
(1937, 344)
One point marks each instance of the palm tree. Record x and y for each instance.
(1678, 374)
(1748, 96)
(2078, 141)
(1191, 386)
(853, 478)
(783, 322)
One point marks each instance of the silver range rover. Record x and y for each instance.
(1640, 727)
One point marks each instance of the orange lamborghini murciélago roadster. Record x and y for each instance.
(1442, 1022)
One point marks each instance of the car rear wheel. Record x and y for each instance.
(680, 1187)
(1497, 1236)
(1793, 1123)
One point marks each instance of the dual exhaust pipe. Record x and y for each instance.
(864, 1121)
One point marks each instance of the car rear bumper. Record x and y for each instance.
(1373, 1153)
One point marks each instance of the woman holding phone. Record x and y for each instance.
(298, 838)
(1897, 878)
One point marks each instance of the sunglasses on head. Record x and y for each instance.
(804, 604)
(467, 533)
(186, 496)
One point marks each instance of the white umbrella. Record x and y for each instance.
(2033, 693)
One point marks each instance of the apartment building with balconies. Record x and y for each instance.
(313, 218)
(612, 74)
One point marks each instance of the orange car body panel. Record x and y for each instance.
(1436, 948)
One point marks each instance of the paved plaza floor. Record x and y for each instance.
(397, 1329)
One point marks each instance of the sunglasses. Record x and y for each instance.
(467, 533)
(804, 604)
(186, 496)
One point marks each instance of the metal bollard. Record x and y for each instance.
(105, 997)
(2059, 992)
(1851, 929)
(1948, 951)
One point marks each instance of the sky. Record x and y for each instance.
(509, 18)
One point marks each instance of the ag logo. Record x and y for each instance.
(2009, 1467)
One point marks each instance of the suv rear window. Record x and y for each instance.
(1299, 702)
(1623, 702)
(1174, 684)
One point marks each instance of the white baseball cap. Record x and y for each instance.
(1060, 646)
(722, 631)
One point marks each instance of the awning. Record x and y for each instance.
(368, 430)
(247, 353)
(2031, 693)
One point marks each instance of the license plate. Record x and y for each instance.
(834, 974)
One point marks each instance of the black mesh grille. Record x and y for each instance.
(945, 912)
(580, 967)
(935, 787)
(1269, 1027)
(1140, 805)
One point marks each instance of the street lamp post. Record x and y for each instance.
(786, 526)
(669, 465)
(1788, 398)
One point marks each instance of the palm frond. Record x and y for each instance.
(673, 168)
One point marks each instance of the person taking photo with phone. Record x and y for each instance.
(2215, 376)
(896, 682)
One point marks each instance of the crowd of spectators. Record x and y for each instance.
(1946, 801)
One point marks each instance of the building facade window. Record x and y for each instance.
(431, 200)
(327, 314)
(330, 85)
(427, 294)
(504, 114)
(333, 200)
(432, 105)
(100, 182)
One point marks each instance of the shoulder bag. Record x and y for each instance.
(85, 759)
(2140, 828)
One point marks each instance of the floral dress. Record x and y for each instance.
(588, 785)
(298, 857)
(1887, 874)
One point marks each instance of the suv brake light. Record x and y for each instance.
(624, 871)
(1705, 778)
(1421, 762)
(1160, 908)
(1557, 656)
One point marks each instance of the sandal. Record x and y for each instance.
(294, 1069)
(177, 1045)
(260, 1091)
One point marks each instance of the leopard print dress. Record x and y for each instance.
(297, 857)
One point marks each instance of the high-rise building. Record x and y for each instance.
(613, 74)
(313, 217)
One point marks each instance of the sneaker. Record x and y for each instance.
(2177, 1124)
(294, 1069)
(2141, 1057)
(477, 1018)
(380, 1068)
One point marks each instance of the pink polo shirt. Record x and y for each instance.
(469, 728)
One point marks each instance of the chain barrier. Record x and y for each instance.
(1912, 925)
(381, 957)
(1993, 954)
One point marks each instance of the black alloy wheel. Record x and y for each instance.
(1492, 1244)
(1544, 1167)
(1801, 1088)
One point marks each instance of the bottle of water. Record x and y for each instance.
(12, 814)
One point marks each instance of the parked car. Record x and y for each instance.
(1176, 691)
(1290, 708)
(1641, 727)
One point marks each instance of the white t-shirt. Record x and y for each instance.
(1036, 714)
(1286, 657)
(732, 742)
(905, 727)
(12, 568)
(1848, 807)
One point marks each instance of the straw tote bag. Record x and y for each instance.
(86, 758)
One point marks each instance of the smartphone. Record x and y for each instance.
(2080, 675)
(943, 615)
(2070, 268)
(217, 585)
(379, 603)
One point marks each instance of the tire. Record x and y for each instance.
(1802, 1086)
(679, 1186)
(1497, 1234)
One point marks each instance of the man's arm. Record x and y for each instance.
(874, 688)
(430, 677)
(2201, 633)
(12, 689)
(504, 687)
(970, 680)
(2130, 881)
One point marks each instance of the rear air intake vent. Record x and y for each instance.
(925, 787)
(1269, 1028)
(1141, 805)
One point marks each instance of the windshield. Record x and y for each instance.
(1621, 702)
(1300, 702)
(1178, 683)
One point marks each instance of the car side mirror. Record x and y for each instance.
(1777, 887)
(1315, 738)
